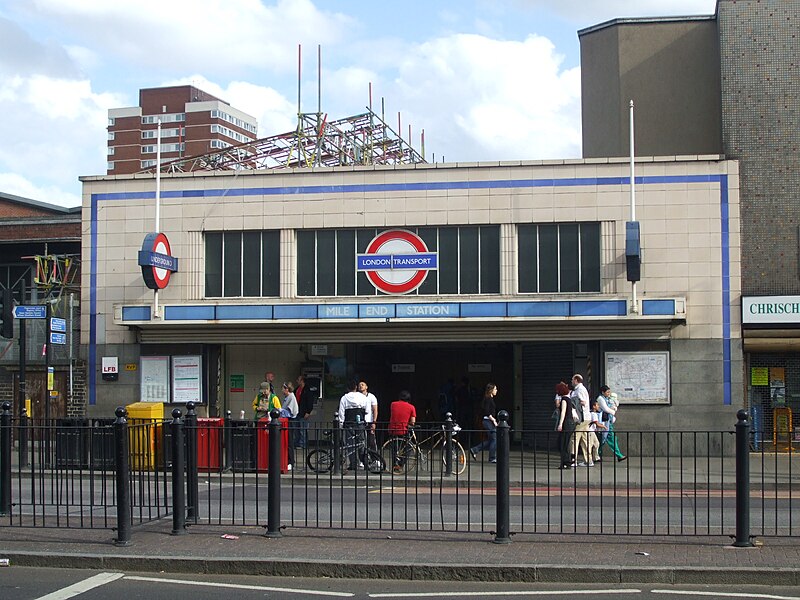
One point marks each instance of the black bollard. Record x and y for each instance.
(502, 535)
(742, 481)
(192, 486)
(448, 444)
(123, 481)
(23, 438)
(274, 477)
(178, 481)
(5, 460)
(336, 439)
(227, 442)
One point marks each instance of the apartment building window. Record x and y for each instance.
(146, 164)
(111, 136)
(151, 149)
(469, 261)
(242, 264)
(111, 122)
(110, 151)
(559, 257)
(164, 118)
(110, 166)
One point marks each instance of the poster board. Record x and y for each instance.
(154, 379)
(638, 377)
(187, 383)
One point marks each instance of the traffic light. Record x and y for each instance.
(633, 251)
(7, 314)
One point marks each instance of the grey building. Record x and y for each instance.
(725, 83)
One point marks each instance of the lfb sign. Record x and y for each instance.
(156, 261)
(397, 261)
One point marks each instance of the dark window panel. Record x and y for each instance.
(251, 263)
(590, 257)
(345, 263)
(548, 258)
(306, 263)
(232, 279)
(526, 258)
(448, 260)
(568, 246)
(271, 263)
(490, 260)
(431, 283)
(213, 265)
(363, 285)
(326, 263)
(468, 255)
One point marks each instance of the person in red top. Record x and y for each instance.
(402, 414)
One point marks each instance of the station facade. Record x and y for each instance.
(412, 276)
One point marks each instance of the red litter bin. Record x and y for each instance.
(262, 441)
(209, 444)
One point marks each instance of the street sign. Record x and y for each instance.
(57, 324)
(30, 312)
(58, 338)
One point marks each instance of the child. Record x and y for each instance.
(595, 423)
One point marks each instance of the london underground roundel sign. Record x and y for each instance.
(156, 261)
(397, 261)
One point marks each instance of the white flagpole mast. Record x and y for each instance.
(634, 306)
(156, 314)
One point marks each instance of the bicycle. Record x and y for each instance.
(406, 454)
(353, 441)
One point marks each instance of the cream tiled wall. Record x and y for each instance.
(680, 225)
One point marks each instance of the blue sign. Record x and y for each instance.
(421, 260)
(337, 311)
(57, 324)
(30, 312)
(58, 338)
(428, 310)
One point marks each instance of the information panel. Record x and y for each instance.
(638, 377)
(186, 380)
(155, 379)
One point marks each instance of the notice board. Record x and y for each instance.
(638, 377)
(154, 379)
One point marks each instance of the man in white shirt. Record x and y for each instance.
(352, 410)
(372, 414)
(580, 440)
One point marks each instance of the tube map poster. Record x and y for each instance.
(638, 377)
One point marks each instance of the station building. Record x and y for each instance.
(408, 276)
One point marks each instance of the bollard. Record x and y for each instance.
(274, 477)
(178, 483)
(448, 444)
(123, 480)
(503, 479)
(192, 491)
(5, 460)
(227, 442)
(742, 481)
(336, 440)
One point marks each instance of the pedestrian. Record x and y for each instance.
(269, 377)
(609, 404)
(488, 411)
(565, 428)
(352, 413)
(580, 398)
(596, 425)
(372, 415)
(290, 411)
(264, 402)
(305, 400)
(402, 414)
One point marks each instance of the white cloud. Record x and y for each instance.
(484, 99)
(12, 183)
(216, 36)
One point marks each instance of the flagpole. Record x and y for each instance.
(634, 306)
(156, 314)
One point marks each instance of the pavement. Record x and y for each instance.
(412, 555)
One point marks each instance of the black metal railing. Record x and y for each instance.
(121, 473)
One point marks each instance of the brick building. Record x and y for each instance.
(40, 248)
(193, 122)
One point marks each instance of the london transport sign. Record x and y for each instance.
(397, 261)
(156, 261)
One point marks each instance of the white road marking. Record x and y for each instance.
(503, 594)
(238, 586)
(82, 586)
(726, 594)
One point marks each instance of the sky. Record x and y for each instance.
(486, 79)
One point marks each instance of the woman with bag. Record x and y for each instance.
(565, 426)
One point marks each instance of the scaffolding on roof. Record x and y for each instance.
(363, 139)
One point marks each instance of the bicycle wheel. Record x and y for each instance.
(374, 463)
(320, 461)
(458, 460)
(399, 455)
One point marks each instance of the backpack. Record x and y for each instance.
(576, 404)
